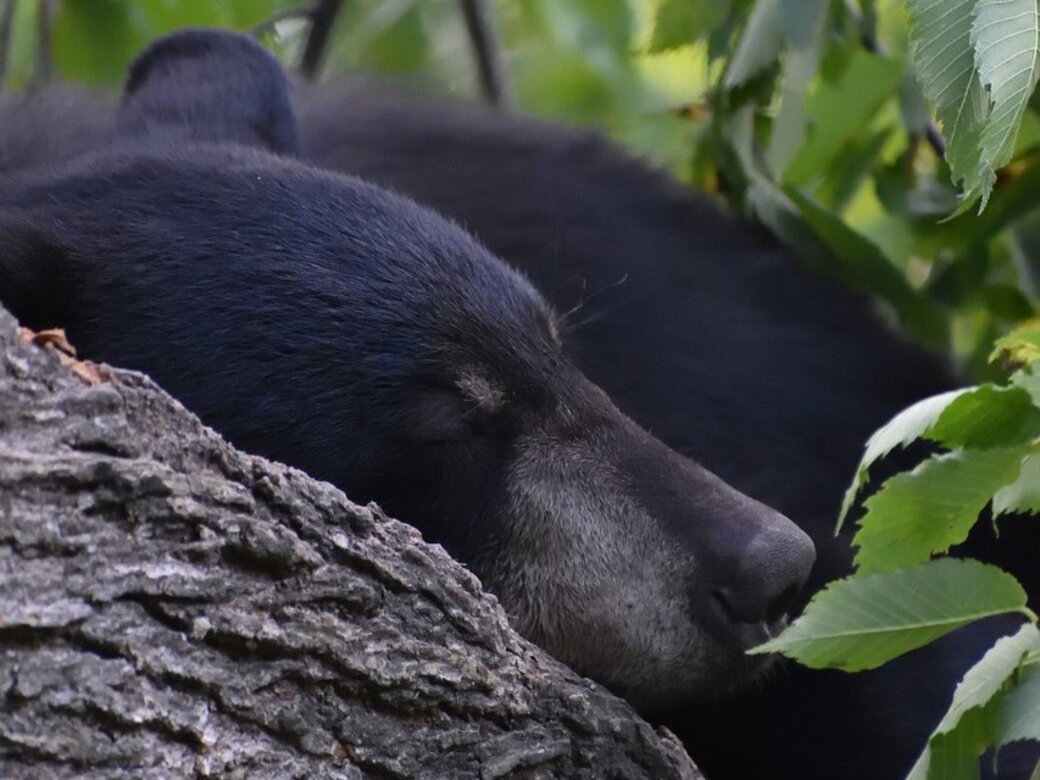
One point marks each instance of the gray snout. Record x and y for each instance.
(770, 574)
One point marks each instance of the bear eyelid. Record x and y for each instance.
(487, 395)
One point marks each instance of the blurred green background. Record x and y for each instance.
(587, 61)
(804, 116)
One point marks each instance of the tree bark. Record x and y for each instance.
(171, 606)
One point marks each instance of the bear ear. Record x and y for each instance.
(211, 86)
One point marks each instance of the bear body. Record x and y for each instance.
(322, 321)
(701, 329)
(717, 340)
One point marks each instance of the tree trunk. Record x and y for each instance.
(171, 606)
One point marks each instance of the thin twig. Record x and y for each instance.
(494, 77)
(6, 26)
(304, 9)
(44, 49)
(934, 137)
(322, 19)
(874, 46)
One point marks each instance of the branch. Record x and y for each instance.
(6, 25)
(491, 67)
(322, 20)
(172, 606)
(44, 49)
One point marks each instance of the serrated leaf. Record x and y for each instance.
(955, 755)
(863, 621)
(1005, 38)
(909, 425)
(1019, 716)
(803, 33)
(759, 46)
(679, 22)
(1022, 495)
(926, 511)
(982, 682)
(905, 428)
(988, 416)
(945, 62)
(834, 121)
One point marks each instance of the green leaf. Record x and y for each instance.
(988, 416)
(1004, 36)
(863, 621)
(985, 679)
(834, 120)
(989, 706)
(601, 22)
(759, 45)
(1022, 495)
(955, 755)
(679, 22)
(905, 428)
(803, 33)
(918, 514)
(1019, 716)
(908, 425)
(844, 176)
(95, 40)
(399, 47)
(562, 83)
(945, 61)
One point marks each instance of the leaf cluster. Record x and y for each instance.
(902, 596)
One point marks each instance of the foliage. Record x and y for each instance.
(900, 597)
(862, 622)
(815, 118)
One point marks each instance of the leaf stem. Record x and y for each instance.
(494, 76)
(870, 42)
(6, 26)
(322, 19)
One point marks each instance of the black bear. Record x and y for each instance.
(713, 337)
(325, 322)
(701, 329)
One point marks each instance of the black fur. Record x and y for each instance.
(322, 321)
(714, 338)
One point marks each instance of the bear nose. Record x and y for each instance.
(769, 576)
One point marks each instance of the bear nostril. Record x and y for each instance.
(741, 606)
(769, 578)
(782, 604)
(728, 602)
